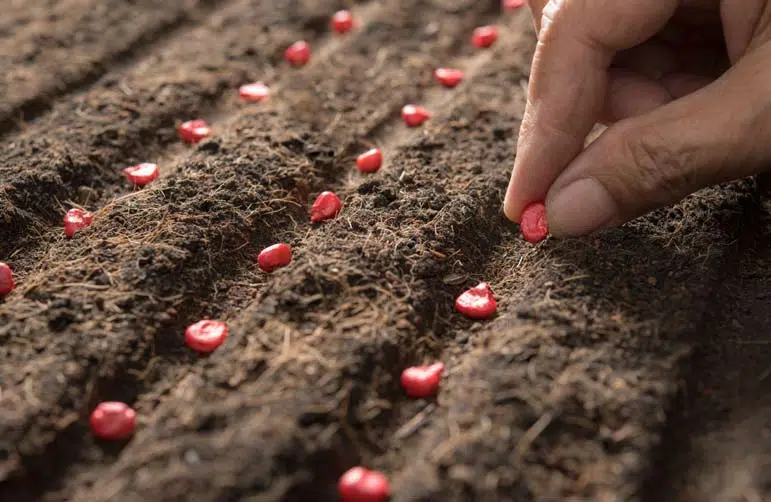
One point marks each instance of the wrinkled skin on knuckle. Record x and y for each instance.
(658, 173)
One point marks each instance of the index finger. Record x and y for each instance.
(576, 44)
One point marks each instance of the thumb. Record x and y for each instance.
(719, 133)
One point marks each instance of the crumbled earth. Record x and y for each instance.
(629, 365)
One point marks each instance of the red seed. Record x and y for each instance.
(362, 485)
(326, 206)
(370, 161)
(477, 302)
(275, 256)
(6, 279)
(484, 36)
(254, 92)
(422, 381)
(75, 220)
(342, 21)
(533, 222)
(448, 77)
(193, 131)
(113, 420)
(298, 53)
(205, 336)
(513, 4)
(415, 115)
(141, 174)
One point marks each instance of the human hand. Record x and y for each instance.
(685, 85)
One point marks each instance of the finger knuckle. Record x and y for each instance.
(658, 170)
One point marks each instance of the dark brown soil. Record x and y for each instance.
(631, 365)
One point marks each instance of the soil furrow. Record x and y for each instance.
(377, 122)
(69, 44)
(155, 252)
(572, 382)
(113, 298)
(716, 447)
(321, 349)
(77, 152)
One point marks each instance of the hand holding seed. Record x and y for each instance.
(683, 84)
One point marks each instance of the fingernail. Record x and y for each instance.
(551, 8)
(508, 208)
(508, 201)
(548, 14)
(580, 208)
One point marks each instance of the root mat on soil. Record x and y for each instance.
(630, 365)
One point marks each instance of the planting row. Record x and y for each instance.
(322, 349)
(78, 151)
(48, 48)
(564, 395)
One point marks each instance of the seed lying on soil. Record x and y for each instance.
(254, 92)
(342, 21)
(370, 161)
(484, 36)
(477, 302)
(6, 279)
(326, 206)
(533, 222)
(513, 4)
(205, 336)
(275, 256)
(142, 174)
(362, 485)
(113, 420)
(298, 53)
(194, 131)
(448, 77)
(422, 381)
(75, 220)
(415, 115)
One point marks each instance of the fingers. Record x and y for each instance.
(630, 94)
(536, 8)
(716, 134)
(577, 42)
(740, 25)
